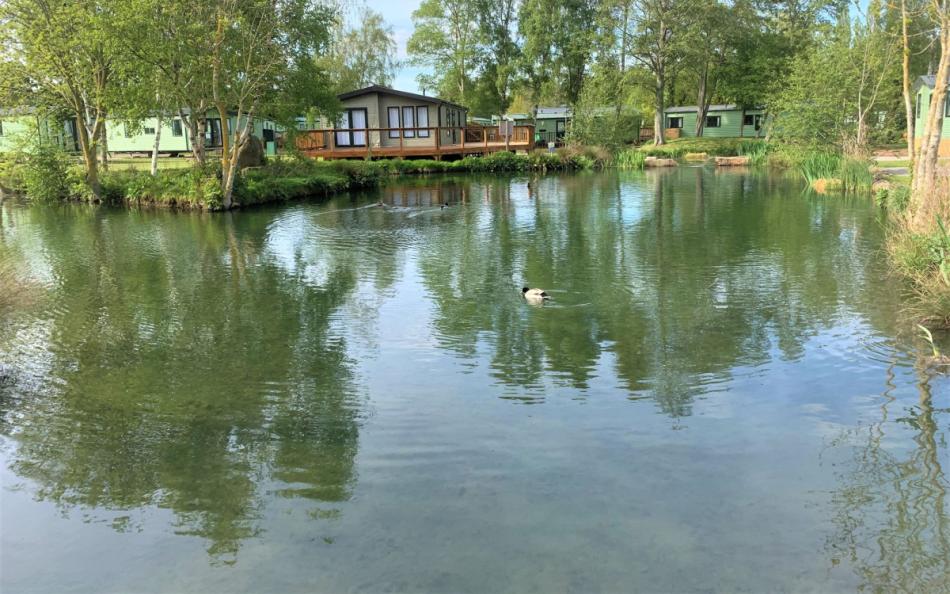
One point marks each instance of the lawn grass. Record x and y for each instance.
(145, 163)
(721, 147)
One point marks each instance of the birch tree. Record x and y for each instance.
(263, 65)
(172, 42)
(364, 54)
(927, 201)
(64, 52)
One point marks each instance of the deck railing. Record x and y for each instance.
(438, 138)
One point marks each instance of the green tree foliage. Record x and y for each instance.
(362, 55)
(445, 40)
(498, 68)
(63, 57)
(834, 90)
(558, 45)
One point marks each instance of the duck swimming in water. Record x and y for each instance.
(534, 295)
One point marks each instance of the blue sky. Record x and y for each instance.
(398, 14)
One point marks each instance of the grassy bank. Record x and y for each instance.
(825, 170)
(55, 177)
(713, 147)
(920, 251)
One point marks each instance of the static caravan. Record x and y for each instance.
(551, 124)
(400, 119)
(923, 89)
(17, 125)
(176, 139)
(722, 121)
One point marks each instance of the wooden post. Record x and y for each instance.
(438, 140)
(485, 138)
(463, 142)
(400, 141)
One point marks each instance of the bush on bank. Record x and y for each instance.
(53, 175)
(714, 147)
(921, 255)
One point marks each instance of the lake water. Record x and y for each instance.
(722, 395)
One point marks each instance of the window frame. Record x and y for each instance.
(669, 122)
(149, 131)
(917, 112)
(946, 106)
(752, 119)
(349, 130)
(713, 118)
(422, 109)
(389, 118)
(1, 127)
(409, 122)
(177, 123)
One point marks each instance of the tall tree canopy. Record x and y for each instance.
(363, 54)
(445, 40)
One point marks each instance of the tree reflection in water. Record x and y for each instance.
(891, 512)
(185, 366)
(212, 366)
(678, 278)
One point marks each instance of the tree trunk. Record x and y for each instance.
(658, 115)
(227, 164)
(660, 74)
(155, 147)
(230, 167)
(196, 128)
(861, 135)
(908, 98)
(104, 147)
(198, 146)
(90, 160)
(702, 107)
(926, 200)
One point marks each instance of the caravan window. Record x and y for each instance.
(422, 120)
(409, 121)
(393, 115)
(752, 119)
(713, 121)
(350, 120)
(674, 122)
(176, 127)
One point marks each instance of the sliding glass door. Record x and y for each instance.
(350, 129)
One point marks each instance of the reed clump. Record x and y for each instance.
(827, 171)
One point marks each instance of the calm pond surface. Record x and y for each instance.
(721, 397)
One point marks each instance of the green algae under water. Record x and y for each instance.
(721, 396)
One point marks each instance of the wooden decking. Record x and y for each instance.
(440, 141)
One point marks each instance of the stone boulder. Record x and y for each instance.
(732, 161)
(656, 162)
(253, 153)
